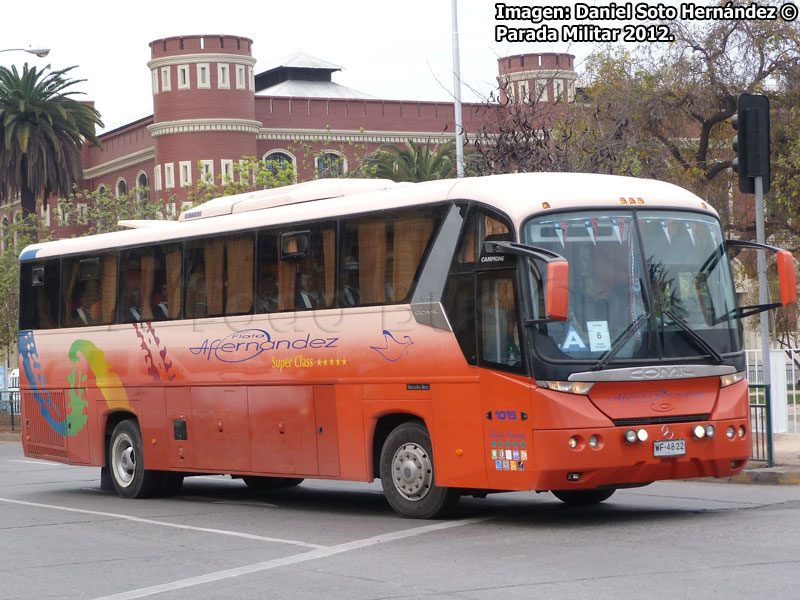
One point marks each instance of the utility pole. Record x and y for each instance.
(457, 95)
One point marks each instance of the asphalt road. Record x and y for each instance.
(61, 537)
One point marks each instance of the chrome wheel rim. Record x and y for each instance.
(123, 459)
(412, 471)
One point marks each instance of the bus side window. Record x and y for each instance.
(39, 294)
(463, 302)
(498, 329)
(305, 278)
(89, 290)
(481, 225)
(150, 284)
(459, 304)
(381, 256)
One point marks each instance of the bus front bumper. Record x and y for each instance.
(604, 457)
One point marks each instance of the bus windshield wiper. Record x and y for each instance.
(621, 341)
(695, 337)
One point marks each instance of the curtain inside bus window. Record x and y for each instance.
(173, 260)
(240, 275)
(411, 237)
(329, 259)
(108, 289)
(480, 227)
(148, 273)
(68, 296)
(213, 251)
(44, 310)
(372, 262)
(287, 274)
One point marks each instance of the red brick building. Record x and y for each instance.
(210, 105)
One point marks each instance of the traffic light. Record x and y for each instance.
(751, 143)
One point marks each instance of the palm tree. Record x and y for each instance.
(412, 162)
(42, 131)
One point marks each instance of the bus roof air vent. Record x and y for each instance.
(309, 191)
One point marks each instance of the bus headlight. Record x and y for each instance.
(726, 380)
(699, 432)
(730, 432)
(570, 387)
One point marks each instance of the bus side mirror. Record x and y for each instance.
(787, 277)
(557, 293)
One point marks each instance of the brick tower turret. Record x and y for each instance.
(546, 77)
(204, 109)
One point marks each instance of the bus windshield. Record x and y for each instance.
(643, 285)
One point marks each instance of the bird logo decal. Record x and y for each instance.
(393, 349)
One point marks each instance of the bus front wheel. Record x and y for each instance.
(407, 477)
(582, 497)
(126, 463)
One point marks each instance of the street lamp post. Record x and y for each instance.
(40, 52)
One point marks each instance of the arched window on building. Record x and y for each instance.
(122, 187)
(276, 160)
(142, 192)
(331, 164)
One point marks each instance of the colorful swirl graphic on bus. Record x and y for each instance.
(108, 382)
(33, 372)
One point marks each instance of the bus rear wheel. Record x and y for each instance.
(407, 477)
(582, 497)
(126, 464)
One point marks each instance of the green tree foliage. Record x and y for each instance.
(101, 210)
(678, 99)
(411, 162)
(42, 128)
(249, 174)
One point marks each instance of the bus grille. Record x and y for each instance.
(659, 420)
(45, 442)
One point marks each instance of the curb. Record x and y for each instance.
(10, 436)
(767, 477)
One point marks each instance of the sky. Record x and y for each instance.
(390, 50)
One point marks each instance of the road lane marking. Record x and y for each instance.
(39, 462)
(288, 560)
(239, 534)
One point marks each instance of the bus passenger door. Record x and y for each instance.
(283, 429)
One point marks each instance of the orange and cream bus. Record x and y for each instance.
(564, 332)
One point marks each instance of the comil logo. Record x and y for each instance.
(663, 373)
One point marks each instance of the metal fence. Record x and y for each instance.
(785, 380)
(761, 424)
(9, 410)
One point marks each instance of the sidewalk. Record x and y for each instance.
(786, 451)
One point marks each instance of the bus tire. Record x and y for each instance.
(407, 477)
(261, 484)
(582, 497)
(126, 463)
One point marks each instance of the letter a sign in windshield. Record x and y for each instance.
(573, 342)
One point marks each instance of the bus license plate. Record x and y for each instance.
(669, 448)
